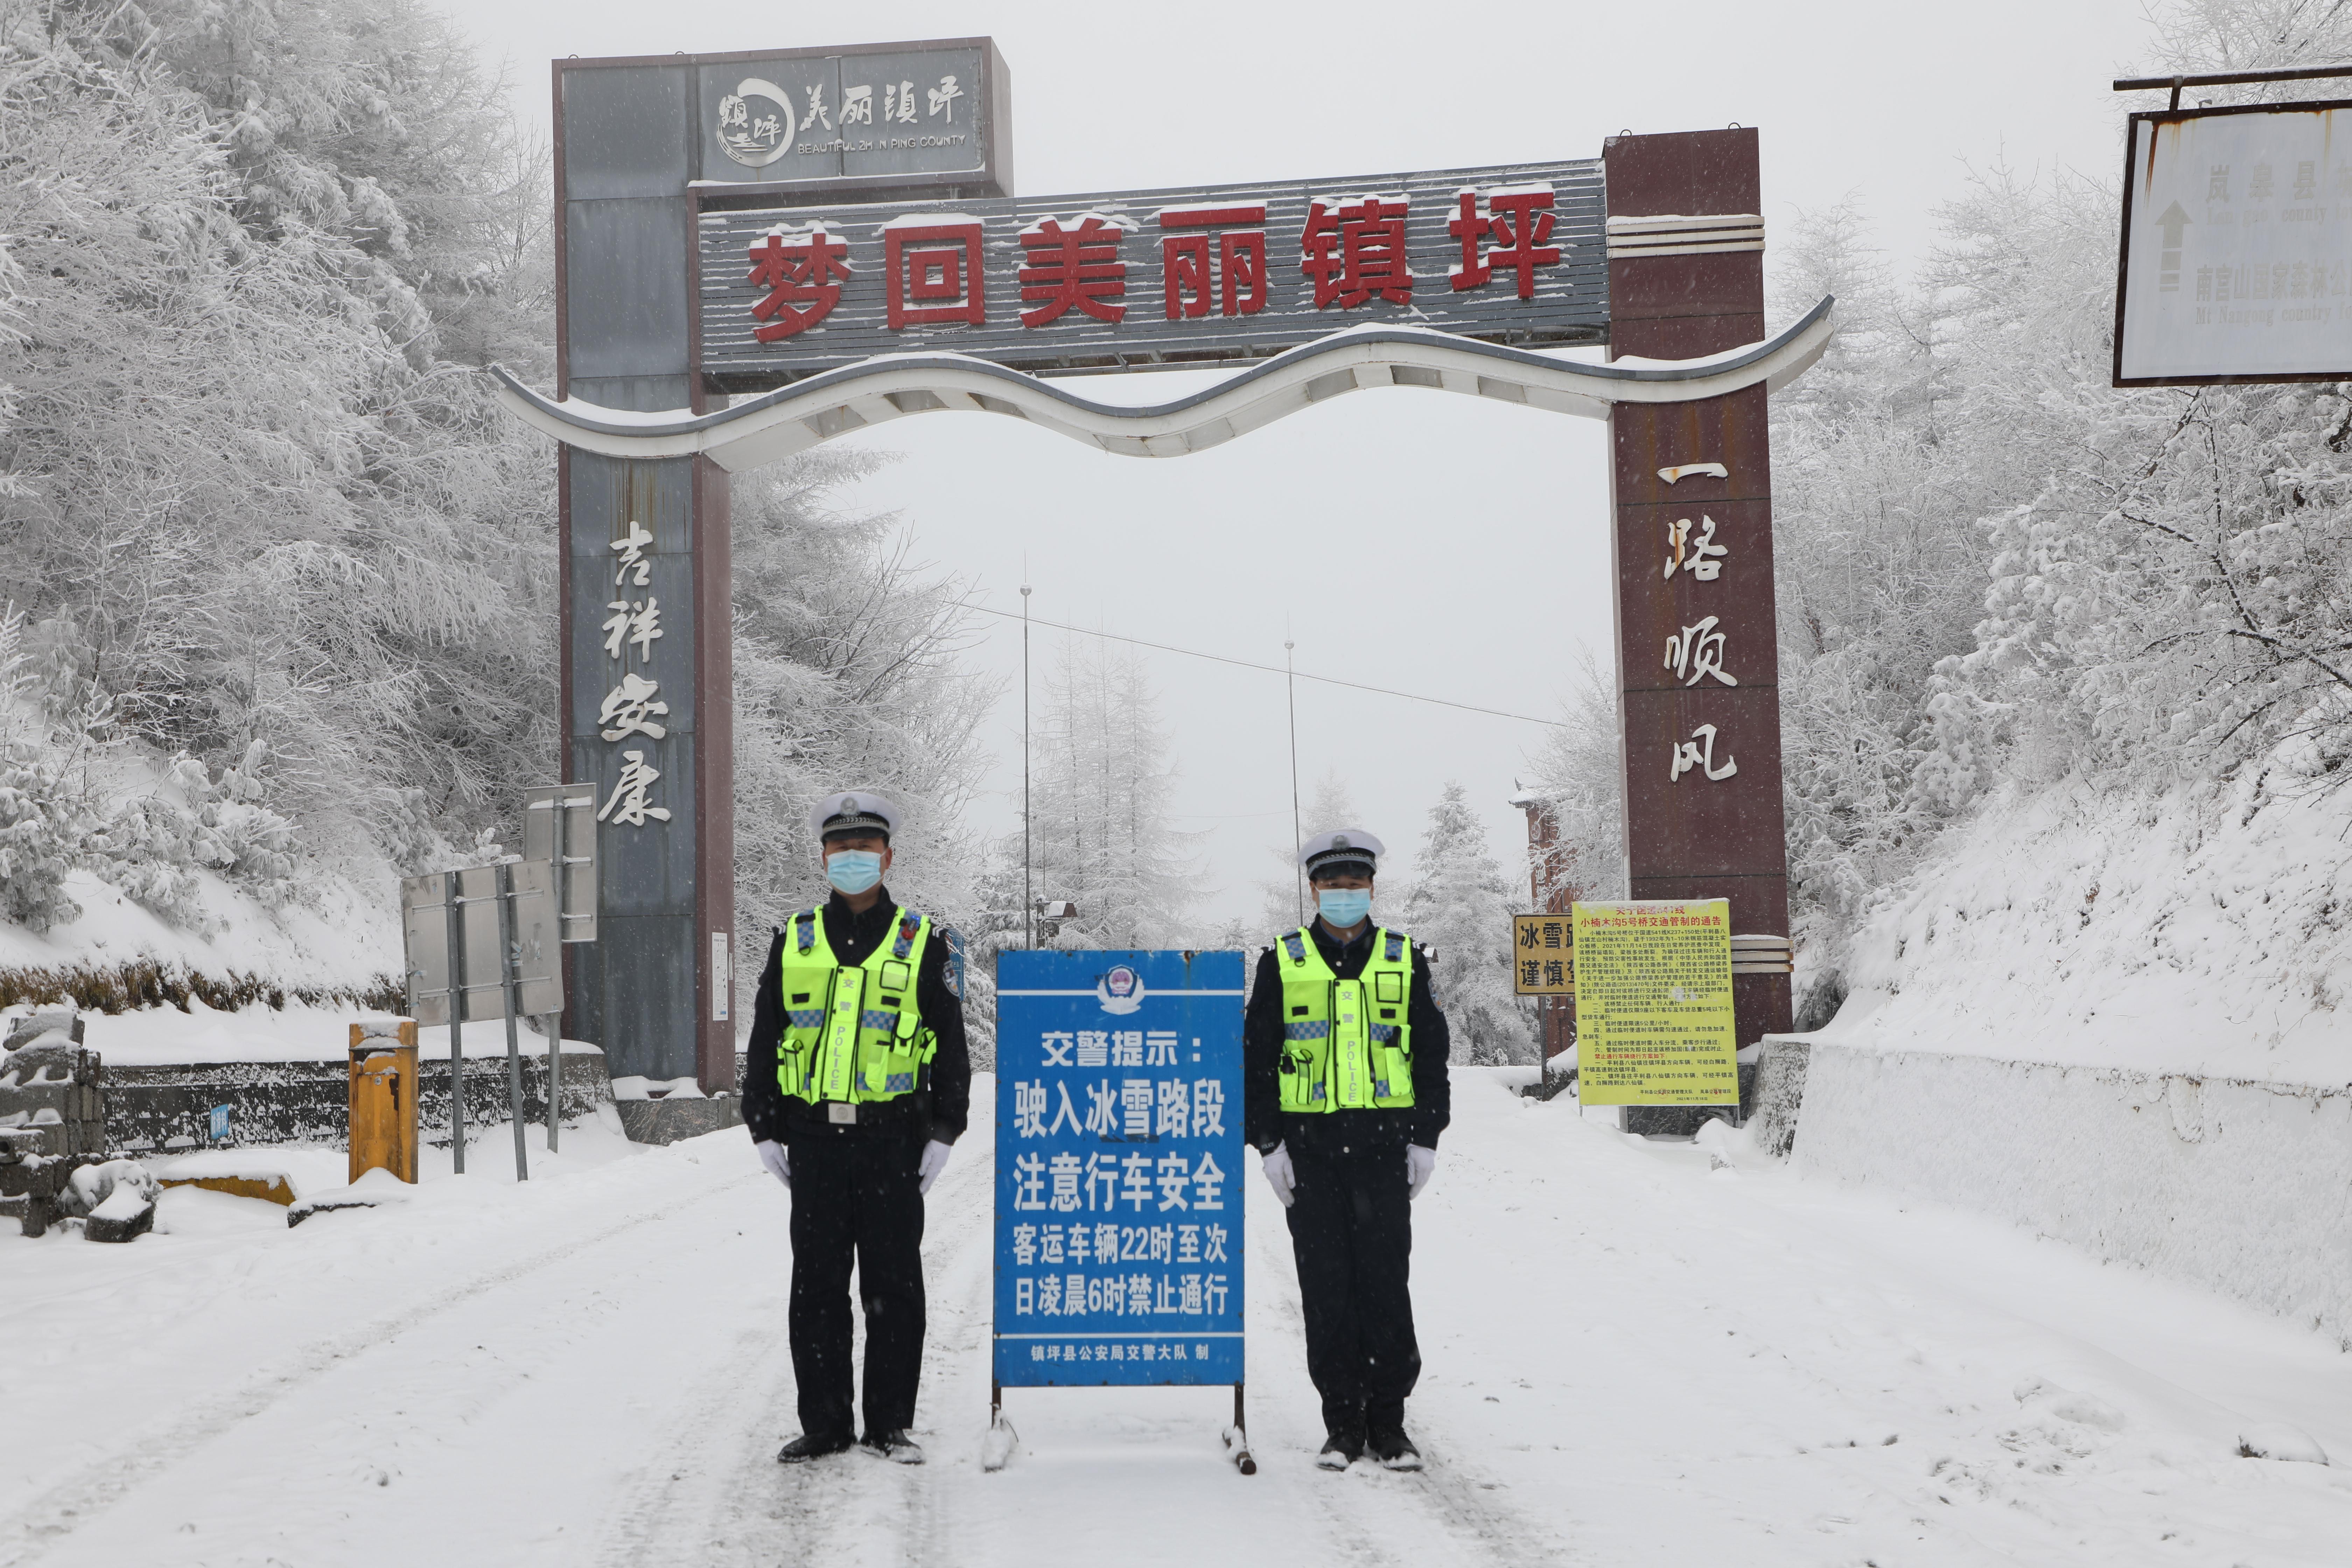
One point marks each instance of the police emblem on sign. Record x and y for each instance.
(1121, 991)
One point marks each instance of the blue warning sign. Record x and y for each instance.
(1118, 1155)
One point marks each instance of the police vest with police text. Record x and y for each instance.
(1346, 1044)
(852, 1032)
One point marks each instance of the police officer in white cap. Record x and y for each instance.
(1343, 1062)
(856, 1084)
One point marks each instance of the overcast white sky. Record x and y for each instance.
(1441, 545)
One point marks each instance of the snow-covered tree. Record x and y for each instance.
(250, 505)
(1460, 905)
(1099, 794)
(846, 677)
(1576, 772)
(1280, 895)
(1999, 574)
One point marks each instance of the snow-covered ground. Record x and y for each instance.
(346, 934)
(2181, 933)
(1634, 1357)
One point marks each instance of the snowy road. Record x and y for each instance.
(1631, 1358)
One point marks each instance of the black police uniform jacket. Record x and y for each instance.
(1265, 1123)
(940, 1106)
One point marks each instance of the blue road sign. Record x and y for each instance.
(1118, 1161)
(220, 1124)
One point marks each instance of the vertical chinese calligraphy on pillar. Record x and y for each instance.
(1698, 648)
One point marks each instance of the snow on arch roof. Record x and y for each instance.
(794, 419)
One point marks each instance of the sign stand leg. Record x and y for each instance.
(507, 1000)
(1237, 1437)
(550, 1025)
(456, 1025)
(996, 1451)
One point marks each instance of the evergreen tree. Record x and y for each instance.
(1577, 772)
(1100, 806)
(1280, 896)
(1460, 908)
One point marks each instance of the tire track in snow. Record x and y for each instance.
(103, 1483)
(1274, 1283)
(1449, 1493)
(677, 1495)
(836, 1513)
(956, 1348)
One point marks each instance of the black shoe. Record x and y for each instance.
(1340, 1449)
(898, 1446)
(811, 1445)
(1394, 1450)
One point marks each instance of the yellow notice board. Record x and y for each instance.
(1539, 956)
(1653, 1023)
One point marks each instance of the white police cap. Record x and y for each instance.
(856, 810)
(1342, 847)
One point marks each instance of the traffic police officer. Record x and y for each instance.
(1343, 1053)
(855, 1083)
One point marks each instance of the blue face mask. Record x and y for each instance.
(1343, 907)
(852, 870)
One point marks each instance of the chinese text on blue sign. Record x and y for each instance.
(1118, 1212)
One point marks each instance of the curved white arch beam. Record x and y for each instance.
(794, 418)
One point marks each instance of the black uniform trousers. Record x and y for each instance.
(857, 1196)
(1351, 1232)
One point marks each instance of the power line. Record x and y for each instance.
(1277, 669)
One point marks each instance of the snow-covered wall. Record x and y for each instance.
(2241, 1186)
(2202, 930)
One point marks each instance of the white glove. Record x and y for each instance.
(1418, 1165)
(777, 1158)
(1279, 1175)
(935, 1160)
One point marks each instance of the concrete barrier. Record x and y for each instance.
(2238, 1186)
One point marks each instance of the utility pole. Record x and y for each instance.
(1298, 874)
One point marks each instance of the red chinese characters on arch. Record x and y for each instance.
(1078, 265)
(932, 274)
(1354, 247)
(1211, 246)
(1520, 218)
(802, 273)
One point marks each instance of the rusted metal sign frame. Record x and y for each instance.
(2123, 240)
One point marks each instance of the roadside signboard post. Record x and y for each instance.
(559, 826)
(1653, 1003)
(1118, 1170)
(487, 937)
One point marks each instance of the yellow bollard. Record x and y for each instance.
(384, 1097)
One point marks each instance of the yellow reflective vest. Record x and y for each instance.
(852, 1032)
(1346, 1044)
